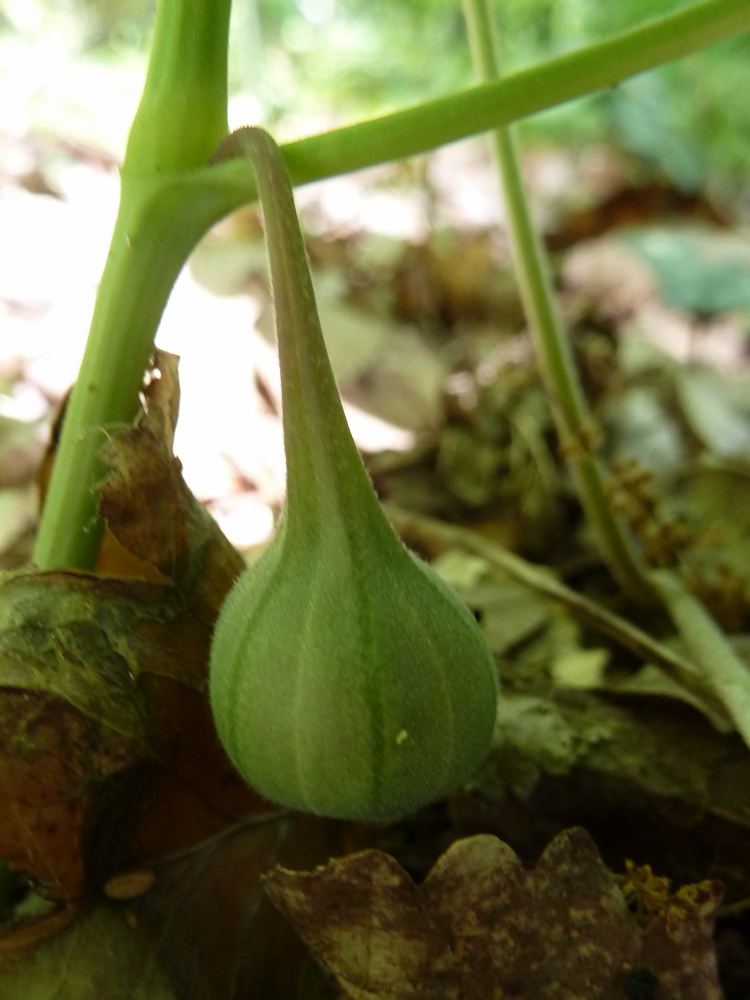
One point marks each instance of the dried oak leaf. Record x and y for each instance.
(107, 746)
(481, 926)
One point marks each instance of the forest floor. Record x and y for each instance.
(428, 342)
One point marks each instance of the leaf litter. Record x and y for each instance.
(481, 926)
(488, 460)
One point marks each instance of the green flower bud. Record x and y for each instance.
(346, 678)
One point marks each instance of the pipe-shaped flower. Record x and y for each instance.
(346, 678)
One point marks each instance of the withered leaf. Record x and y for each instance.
(108, 752)
(481, 926)
(73, 725)
(213, 929)
(105, 727)
(144, 500)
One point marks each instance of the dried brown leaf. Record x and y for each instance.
(480, 926)
(144, 500)
(213, 929)
(108, 746)
(72, 725)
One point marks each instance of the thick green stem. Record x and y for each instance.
(554, 356)
(182, 116)
(158, 225)
(164, 209)
(169, 201)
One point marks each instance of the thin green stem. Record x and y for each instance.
(727, 678)
(478, 109)
(552, 346)
(323, 464)
(723, 670)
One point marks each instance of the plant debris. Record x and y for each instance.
(481, 926)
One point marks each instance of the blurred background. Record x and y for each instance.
(642, 194)
(72, 69)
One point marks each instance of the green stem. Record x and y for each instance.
(726, 674)
(323, 464)
(164, 209)
(158, 225)
(169, 201)
(552, 346)
(555, 81)
(727, 677)
(182, 116)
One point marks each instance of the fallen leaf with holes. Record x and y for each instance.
(482, 926)
(108, 752)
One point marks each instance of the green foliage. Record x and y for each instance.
(697, 270)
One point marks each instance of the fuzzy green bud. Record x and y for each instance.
(346, 678)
